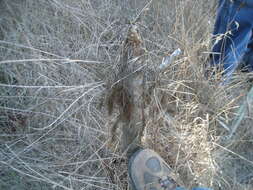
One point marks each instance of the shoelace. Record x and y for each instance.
(167, 183)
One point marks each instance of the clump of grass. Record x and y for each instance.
(56, 58)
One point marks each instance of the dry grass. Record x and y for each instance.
(56, 58)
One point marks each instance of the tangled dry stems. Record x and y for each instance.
(56, 58)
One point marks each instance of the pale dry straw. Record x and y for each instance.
(55, 58)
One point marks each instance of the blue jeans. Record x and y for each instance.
(233, 39)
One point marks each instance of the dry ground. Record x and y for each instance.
(56, 57)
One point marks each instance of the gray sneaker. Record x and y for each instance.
(148, 171)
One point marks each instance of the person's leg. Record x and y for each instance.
(148, 171)
(247, 2)
(233, 33)
(247, 63)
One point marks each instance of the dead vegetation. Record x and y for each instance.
(60, 59)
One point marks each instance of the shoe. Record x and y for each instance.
(148, 171)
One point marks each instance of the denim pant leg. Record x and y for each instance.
(248, 57)
(233, 27)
